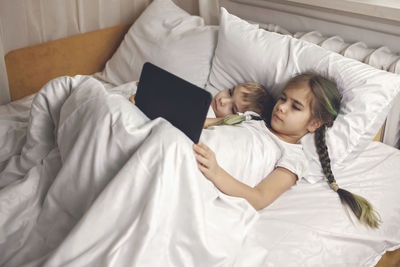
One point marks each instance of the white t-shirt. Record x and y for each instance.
(287, 155)
(249, 152)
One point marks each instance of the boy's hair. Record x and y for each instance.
(258, 99)
(325, 108)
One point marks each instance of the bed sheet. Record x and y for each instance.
(90, 181)
(308, 225)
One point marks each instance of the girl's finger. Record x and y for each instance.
(206, 149)
(202, 160)
(208, 152)
(202, 168)
(203, 146)
(199, 150)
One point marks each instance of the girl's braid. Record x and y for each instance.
(359, 205)
(322, 151)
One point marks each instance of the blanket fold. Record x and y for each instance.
(98, 184)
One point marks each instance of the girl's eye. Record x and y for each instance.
(295, 107)
(230, 92)
(282, 98)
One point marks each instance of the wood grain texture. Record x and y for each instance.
(28, 69)
(390, 259)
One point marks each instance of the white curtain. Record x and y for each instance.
(209, 10)
(30, 22)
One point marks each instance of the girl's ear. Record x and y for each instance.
(314, 125)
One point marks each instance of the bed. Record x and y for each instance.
(87, 180)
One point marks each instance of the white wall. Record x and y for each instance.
(29, 22)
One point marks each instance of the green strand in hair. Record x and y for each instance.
(327, 94)
(331, 109)
(361, 208)
(232, 119)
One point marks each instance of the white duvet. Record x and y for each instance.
(98, 184)
(92, 182)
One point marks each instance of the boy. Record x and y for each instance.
(249, 96)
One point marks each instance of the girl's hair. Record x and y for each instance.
(325, 107)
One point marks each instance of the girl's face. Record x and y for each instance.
(229, 101)
(292, 114)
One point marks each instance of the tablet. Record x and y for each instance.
(163, 94)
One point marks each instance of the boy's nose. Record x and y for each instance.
(225, 101)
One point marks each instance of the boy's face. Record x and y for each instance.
(229, 101)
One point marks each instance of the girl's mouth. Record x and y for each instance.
(276, 117)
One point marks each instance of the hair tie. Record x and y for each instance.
(250, 115)
(334, 186)
(253, 117)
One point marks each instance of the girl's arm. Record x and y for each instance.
(260, 196)
(210, 121)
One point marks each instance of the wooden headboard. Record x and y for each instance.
(28, 69)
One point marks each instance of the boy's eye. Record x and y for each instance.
(282, 98)
(230, 92)
(295, 107)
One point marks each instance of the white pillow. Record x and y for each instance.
(170, 38)
(246, 53)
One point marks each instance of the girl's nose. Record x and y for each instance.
(282, 107)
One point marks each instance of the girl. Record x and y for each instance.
(309, 103)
